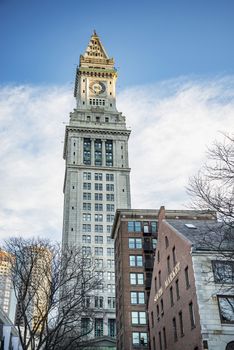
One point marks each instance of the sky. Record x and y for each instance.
(175, 61)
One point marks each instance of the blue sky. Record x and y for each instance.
(175, 60)
(150, 40)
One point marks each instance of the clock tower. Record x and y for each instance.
(96, 176)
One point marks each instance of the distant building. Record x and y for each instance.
(192, 293)
(135, 235)
(7, 297)
(9, 337)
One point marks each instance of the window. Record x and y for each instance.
(134, 243)
(109, 218)
(164, 338)
(109, 240)
(98, 176)
(177, 289)
(110, 263)
(98, 152)
(155, 284)
(86, 217)
(152, 319)
(109, 153)
(86, 250)
(111, 288)
(159, 279)
(111, 327)
(109, 177)
(99, 239)
(174, 256)
(87, 186)
(137, 298)
(223, 271)
(168, 264)
(174, 329)
(98, 217)
(98, 302)
(186, 277)
(162, 307)
(98, 207)
(98, 187)
(171, 296)
(135, 260)
(136, 278)
(110, 187)
(86, 228)
(111, 302)
(87, 151)
(110, 197)
(108, 228)
(110, 275)
(154, 243)
(98, 196)
(191, 314)
(181, 324)
(86, 239)
(154, 226)
(98, 327)
(134, 226)
(166, 242)
(160, 340)
(138, 317)
(110, 207)
(86, 176)
(158, 256)
(98, 228)
(154, 344)
(99, 263)
(87, 196)
(110, 251)
(85, 325)
(226, 307)
(139, 338)
(98, 251)
(86, 206)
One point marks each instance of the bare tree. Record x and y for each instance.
(52, 288)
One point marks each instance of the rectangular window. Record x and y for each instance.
(108, 228)
(98, 228)
(110, 275)
(160, 340)
(177, 289)
(86, 176)
(99, 263)
(86, 217)
(134, 226)
(136, 260)
(98, 207)
(109, 218)
(109, 153)
(98, 239)
(111, 327)
(110, 263)
(174, 256)
(110, 207)
(87, 196)
(110, 187)
(98, 187)
(159, 279)
(98, 152)
(164, 338)
(98, 302)
(171, 296)
(134, 243)
(223, 271)
(154, 226)
(138, 317)
(139, 339)
(86, 239)
(191, 314)
(168, 265)
(98, 217)
(98, 251)
(109, 240)
(87, 151)
(86, 206)
(98, 327)
(98, 176)
(109, 177)
(86, 250)
(110, 197)
(85, 325)
(110, 251)
(175, 329)
(86, 228)
(98, 196)
(111, 302)
(186, 277)
(136, 278)
(111, 288)
(137, 298)
(226, 308)
(87, 186)
(181, 324)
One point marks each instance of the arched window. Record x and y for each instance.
(230, 346)
(166, 242)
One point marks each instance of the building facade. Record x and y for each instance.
(135, 235)
(187, 307)
(97, 173)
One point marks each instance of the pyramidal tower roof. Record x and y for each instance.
(95, 52)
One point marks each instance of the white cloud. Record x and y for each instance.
(172, 123)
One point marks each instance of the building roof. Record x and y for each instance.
(205, 235)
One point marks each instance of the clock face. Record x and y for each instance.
(97, 88)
